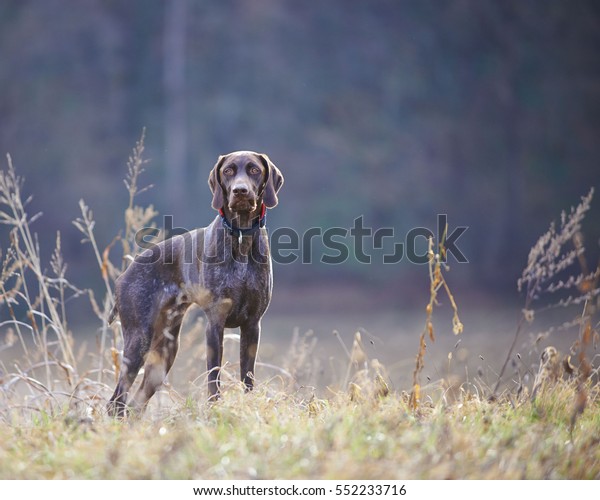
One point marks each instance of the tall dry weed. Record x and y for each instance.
(557, 277)
(49, 374)
(35, 301)
(437, 281)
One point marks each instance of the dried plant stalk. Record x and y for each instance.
(436, 282)
(548, 259)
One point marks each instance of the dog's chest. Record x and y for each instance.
(235, 280)
(250, 277)
(247, 288)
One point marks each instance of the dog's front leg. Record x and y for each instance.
(214, 356)
(249, 339)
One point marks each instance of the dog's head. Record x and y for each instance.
(242, 180)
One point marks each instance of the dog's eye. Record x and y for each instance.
(254, 170)
(228, 171)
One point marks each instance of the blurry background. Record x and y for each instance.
(392, 110)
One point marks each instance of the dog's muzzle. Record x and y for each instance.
(241, 198)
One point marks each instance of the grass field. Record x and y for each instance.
(533, 418)
(358, 435)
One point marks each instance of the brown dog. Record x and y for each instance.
(224, 268)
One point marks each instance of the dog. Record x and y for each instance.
(224, 268)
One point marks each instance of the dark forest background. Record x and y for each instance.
(488, 111)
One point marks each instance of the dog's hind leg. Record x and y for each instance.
(158, 362)
(135, 349)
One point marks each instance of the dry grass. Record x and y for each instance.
(53, 392)
(274, 434)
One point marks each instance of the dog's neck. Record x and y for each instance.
(241, 226)
(243, 222)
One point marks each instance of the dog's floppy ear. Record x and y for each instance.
(215, 185)
(273, 183)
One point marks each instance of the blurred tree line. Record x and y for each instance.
(394, 110)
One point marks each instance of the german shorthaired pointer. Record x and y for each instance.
(224, 268)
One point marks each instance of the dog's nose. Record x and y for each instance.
(240, 190)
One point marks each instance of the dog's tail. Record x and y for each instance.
(114, 312)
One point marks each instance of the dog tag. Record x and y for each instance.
(240, 238)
